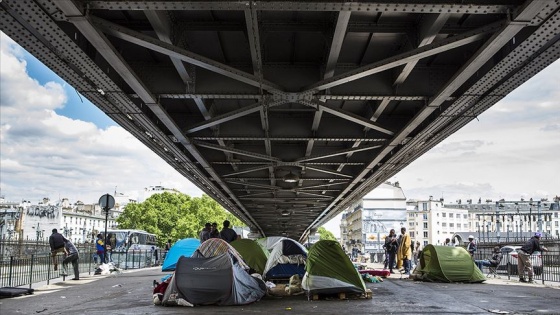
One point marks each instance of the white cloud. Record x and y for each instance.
(43, 154)
(510, 152)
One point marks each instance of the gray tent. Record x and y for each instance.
(215, 280)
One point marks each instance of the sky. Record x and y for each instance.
(54, 143)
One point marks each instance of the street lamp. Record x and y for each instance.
(539, 220)
(107, 202)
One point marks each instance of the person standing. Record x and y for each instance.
(471, 246)
(448, 242)
(228, 234)
(205, 233)
(416, 253)
(167, 248)
(72, 257)
(524, 257)
(405, 250)
(214, 233)
(56, 242)
(391, 245)
(100, 248)
(111, 243)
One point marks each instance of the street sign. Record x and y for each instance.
(107, 202)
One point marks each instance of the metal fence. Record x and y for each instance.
(547, 271)
(25, 262)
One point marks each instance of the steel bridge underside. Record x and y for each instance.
(338, 97)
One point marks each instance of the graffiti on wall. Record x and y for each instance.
(48, 211)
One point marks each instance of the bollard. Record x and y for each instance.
(31, 271)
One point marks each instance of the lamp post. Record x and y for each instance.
(530, 215)
(107, 202)
(539, 220)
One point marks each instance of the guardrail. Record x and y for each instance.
(547, 271)
(27, 269)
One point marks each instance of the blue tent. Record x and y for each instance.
(184, 247)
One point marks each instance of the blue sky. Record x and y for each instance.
(54, 143)
(77, 106)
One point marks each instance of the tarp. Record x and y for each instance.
(217, 246)
(286, 259)
(329, 271)
(184, 247)
(252, 254)
(215, 280)
(446, 264)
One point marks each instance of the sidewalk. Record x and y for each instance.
(130, 293)
(502, 278)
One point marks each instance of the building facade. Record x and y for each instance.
(432, 221)
(366, 223)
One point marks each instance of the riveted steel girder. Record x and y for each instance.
(236, 95)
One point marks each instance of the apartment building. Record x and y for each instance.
(431, 222)
(367, 222)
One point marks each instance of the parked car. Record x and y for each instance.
(509, 260)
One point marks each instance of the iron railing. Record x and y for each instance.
(25, 262)
(547, 271)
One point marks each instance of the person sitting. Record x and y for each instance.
(492, 262)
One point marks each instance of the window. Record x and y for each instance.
(424, 206)
(444, 214)
(412, 234)
(451, 215)
(556, 224)
(458, 215)
(464, 216)
(451, 224)
(466, 226)
(425, 225)
(444, 224)
(425, 216)
(425, 234)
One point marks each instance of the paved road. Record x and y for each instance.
(130, 293)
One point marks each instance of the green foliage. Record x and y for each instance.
(174, 216)
(324, 234)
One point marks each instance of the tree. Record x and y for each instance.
(324, 234)
(174, 215)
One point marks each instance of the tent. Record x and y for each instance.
(217, 246)
(267, 243)
(330, 271)
(286, 259)
(184, 247)
(217, 280)
(446, 264)
(251, 253)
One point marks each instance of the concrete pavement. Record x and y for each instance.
(131, 293)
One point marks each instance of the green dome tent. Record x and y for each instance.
(329, 271)
(447, 264)
(251, 252)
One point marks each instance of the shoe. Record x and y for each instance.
(531, 281)
(55, 267)
(75, 278)
(522, 280)
(392, 271)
